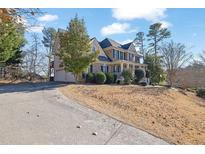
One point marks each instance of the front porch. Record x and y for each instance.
(119, 67)
(116, 67)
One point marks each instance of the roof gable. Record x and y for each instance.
(102, 56)
(132, 47)
(109, 42)
(97, 46)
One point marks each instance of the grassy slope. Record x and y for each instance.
(178, 117)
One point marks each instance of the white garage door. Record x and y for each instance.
(60, 75)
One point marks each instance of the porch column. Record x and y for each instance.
(121, 67)
(132, 68)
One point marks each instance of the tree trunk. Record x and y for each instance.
(155, 51)
(78, 77)
(171, 77)
(4, 74)
(49, 68)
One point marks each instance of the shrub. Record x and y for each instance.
(127, 76)
(115, 78)
(200, 92)
(90, 78)
(109, 78)
(100, 78)
(139, 74)
(143, 83)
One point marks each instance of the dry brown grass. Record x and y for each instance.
(7, 82)
(2, 82)
(174, 115)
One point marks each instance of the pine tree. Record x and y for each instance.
(11, 40)
(139, 41)
(156, 35)
(75, 49)
(155, 68)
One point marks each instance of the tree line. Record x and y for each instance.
(164, 58)
(16, 60)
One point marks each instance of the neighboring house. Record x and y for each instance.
(113, 57)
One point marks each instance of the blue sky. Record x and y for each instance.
(186, 25)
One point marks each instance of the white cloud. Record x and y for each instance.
(48, 17)
(165, 24)
(150, 14)
(117, 28)
(125, 41)
(36, 28)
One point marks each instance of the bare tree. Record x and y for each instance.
(49, 35)
(174, 56)
(34, 60)
(202, 57)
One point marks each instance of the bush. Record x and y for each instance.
(127, 76)
(109, 78)
(100, 78)
(90, 78)
(200, 92)
(143, 83)
(139, 74)
(115, 78)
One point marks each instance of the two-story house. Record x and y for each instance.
(113, 57)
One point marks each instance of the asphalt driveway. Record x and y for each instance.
(39, 114)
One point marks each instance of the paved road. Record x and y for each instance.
(39, 114)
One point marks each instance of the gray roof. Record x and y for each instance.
(126, 46)
(109, 42)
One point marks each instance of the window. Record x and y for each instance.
(113, 53)
(125, 57)
(121, 55)
(104, 68)
(101, 68)
(130, 56)
(118, 55)
(118, 68)
(114, 70)
(137, 59)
